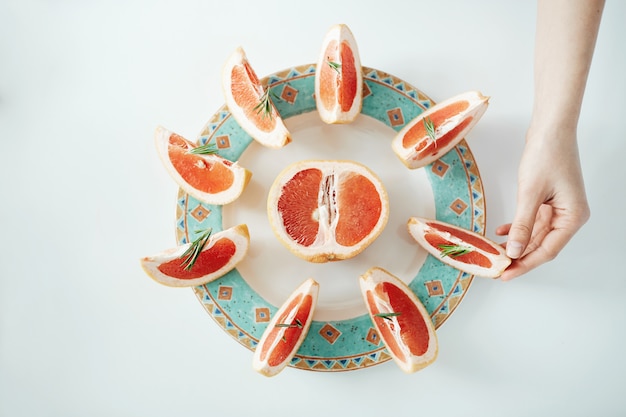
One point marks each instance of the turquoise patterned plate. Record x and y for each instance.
(342, 336)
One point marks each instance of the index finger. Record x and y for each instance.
(551, 245)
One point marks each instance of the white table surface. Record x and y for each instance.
(83, 331)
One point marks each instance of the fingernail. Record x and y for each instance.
(513, 249)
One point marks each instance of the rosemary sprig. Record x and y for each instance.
(334, 65)
(454, 250)
(206, 149)
(265, 103)
(297, 324)
(191, 254)
(430, 129)
(387, 316)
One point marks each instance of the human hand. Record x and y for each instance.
(551, 201)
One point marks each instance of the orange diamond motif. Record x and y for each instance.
(440, 168)
(262, 315)
(200, 213)
(222, 142)
(289, 94)
(458, 206)
(434, 287)
(330, 333)
(372, 337)
(396, 118)
(224, 293)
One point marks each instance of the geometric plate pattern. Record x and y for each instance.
(348, 344)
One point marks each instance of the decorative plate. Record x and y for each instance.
(342, 336)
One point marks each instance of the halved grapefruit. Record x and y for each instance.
(208, 177)
(286, 330)
(437, 130)
(401, 320)
(326, 210)
(339, 77)
(206, 259)
(251, 104)
(460, 248)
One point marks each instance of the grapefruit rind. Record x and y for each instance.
(276, 138)
(241, 174)
(411, 363)
(338, 33)
(419, 227)
(260, 363)
(325, 248)
(239, 235)
(411, 157)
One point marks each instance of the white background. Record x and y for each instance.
(83, 331)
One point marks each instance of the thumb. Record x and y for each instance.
(522, 227)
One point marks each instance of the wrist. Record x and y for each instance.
(554, 127)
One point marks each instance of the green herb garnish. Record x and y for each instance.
(297, 324)
(387, 316)
(430, 129)
(334, 65)
(206, 149)
(265, 103)
(454, 250)
(191, 254)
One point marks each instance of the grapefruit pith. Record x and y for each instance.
(327, 210)
(206, 259)
(460, 248)
(339, 77)
(206, 176)
(286, 330)
(434, 132)
(401, 320)
(250, 103)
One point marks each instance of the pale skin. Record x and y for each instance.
(551, 199)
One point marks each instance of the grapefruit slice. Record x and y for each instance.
(206, 259)
(434, 132)
(251, 104)
(460, 248)
(206, 176)
(286, 331)
(338, 77)
(401, 320)
(327, 210)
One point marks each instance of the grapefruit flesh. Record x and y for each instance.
(438, 116)
(360, 208)
(207, 262)
(327, 210)
(286, 330)
(450, 121)
(297, 202)
(339, 78)
(250, 103)
(246, 89)
(460, 248)
(302, 305)
(338, 86)
(221, 253)
(209, 178)
(193, 168)
(400, 318)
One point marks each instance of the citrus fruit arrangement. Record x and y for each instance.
(205, 259)
(339, 80)
(328, 211)
(287, 329)
(401, 320)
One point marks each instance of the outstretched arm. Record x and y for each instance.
(551, 200)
